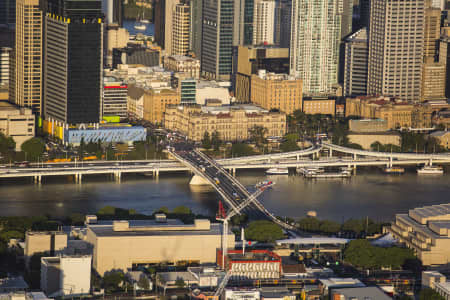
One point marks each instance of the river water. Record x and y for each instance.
(369, 193)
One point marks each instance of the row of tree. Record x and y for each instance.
(355, 226)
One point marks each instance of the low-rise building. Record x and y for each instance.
(114, 98)
(430, 278)
(241, 294)
(135, 102)
(119, 245)
(276, 91)
(368, 125)
(233, 123)
(16, 122)
(442, 118)
(51, 242)
(66, 275)
(156, 102)
(443, 137)
(24, 296)
(427, 231)
(117, 133)
(12, 284)
(359, 293)
(319, 105)
(185, 64)
(326, 285)
(253, 264)
(365, 139)
(206, 90)
(135, 55)
(276, 293)
(443, 289)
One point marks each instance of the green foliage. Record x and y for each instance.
(107, 210)
(143, 282)
(76, 219)
(112, 280)
(258, 135)
(429, 294)
(182, 210)
(215, 140)
(293, 137)
(404, 297)
(163, 210)
(179, 282)
(7, 144)
(420, 142)
(312, 224)
(354, 146)
(289, 145)
(377, 146)
(340, 133)
(241, 149)
(206, 141)
(361, 253)
(239, 219)
(263, 231)
(353, 225)
(33, 148)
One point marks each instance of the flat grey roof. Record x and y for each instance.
(363, 293)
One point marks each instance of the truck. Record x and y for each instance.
(217, 180)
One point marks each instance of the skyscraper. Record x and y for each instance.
(285, 23)
(355, 71)
(314, 48)
(26, 83)
(7, 11)
(217, 39)
(73, 61)
(180, 33)
(265, 21)
(164, 10)
(396, 42)
(196, 27)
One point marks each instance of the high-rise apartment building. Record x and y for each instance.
(7, 11)
(73, 61)
(285, 23)
(181, 29)
(265, 21)
(217, 39)
(5, 58)
(432, 31)
(396, 45)
(196, 27)
(355, 70)
(113, 11)
(314, 48)
(26, 84)
(164, 10)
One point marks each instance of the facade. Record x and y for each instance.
(187, 89)
(181, 29)
(116, 38)
(120, 244)
(433, 80)
(314, 49)
(26, 84)
(359, 293)
(105, 134)
(430, 278)
(319, 105)
(443, 137)
(242, 294)
(426, 231)
(5, 57)
(396, 47)
(432, 31)
(135, 102)
(231, 122)
(164, 17)
(8, 12)
(250, 59)
(156, 102)
(217, 39)
(17, 123)
(265, 17)
(114, 101)
(73, 61)
(207, 90)
(66, 276)
(355, 69)
(185, 64)
(196, 24)
(368, 125)
(135, 55)
(254, 264)
(53, 242)
(277, 91)
(366, 139)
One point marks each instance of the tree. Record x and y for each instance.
(179, 282)
(240, 149)
(289, 145)
(263, 231)
(429, 294)
(311, 224)
(258, 135)
(163, 210)
(7, 144)
(33, 148)
(107, 210)
(215, 140)
(206, 141)
(112, 281)
(182, 210)
(353, 225)
(143, 282)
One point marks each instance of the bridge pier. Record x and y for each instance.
(37, 179)
(117, 176)
(330, 152)
(355, 157)
(234, 172)
(431, 162)
(390, 162)
(298, 157)
(354, 169)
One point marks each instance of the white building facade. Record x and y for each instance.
(264, 22)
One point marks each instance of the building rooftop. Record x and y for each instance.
(4, 105)
(173, 276)
(444, 286)
(182, 58)
(362, 293)
(252, 255)
(433, 212)
(439, 133)
(359, 36)
(341, 282)
(13, 283)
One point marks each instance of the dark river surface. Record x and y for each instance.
(369, 193)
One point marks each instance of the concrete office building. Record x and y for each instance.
(277, 91)
(265, 16)
(114, 102)
(73, 61)
(156, 102)
(368, 125)
(185, 64)
(116, 38)
(196, 24)
(181, 30)
(231, 122)
(319, 105)
(8, 12)
(206, 90)
(122, 244)
(217, 39)
(426, 231)
(250, 59)
(66, 276)
(53, 242)
(314, 49)
(17, 123)
(355, 69)
(359, 293)
(444, 58)
(26, 84)
(366, 139)
(396, 47)
(432, 30)
(164, 17)
(132, 55)
(185, 86)
(433, 80)
(135, 102)
(5, 57)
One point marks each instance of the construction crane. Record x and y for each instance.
(225, 217)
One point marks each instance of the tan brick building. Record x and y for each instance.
(426, 230)
(156, 101)
(433, 80)
(231, 122)
(17, 123)
(185, 64)
(279, 91)
(319, 105)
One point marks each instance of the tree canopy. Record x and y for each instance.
(241, 149)
(7, 144)
(429, 294)
(33, 148)
(206, 141)
(263, 231)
